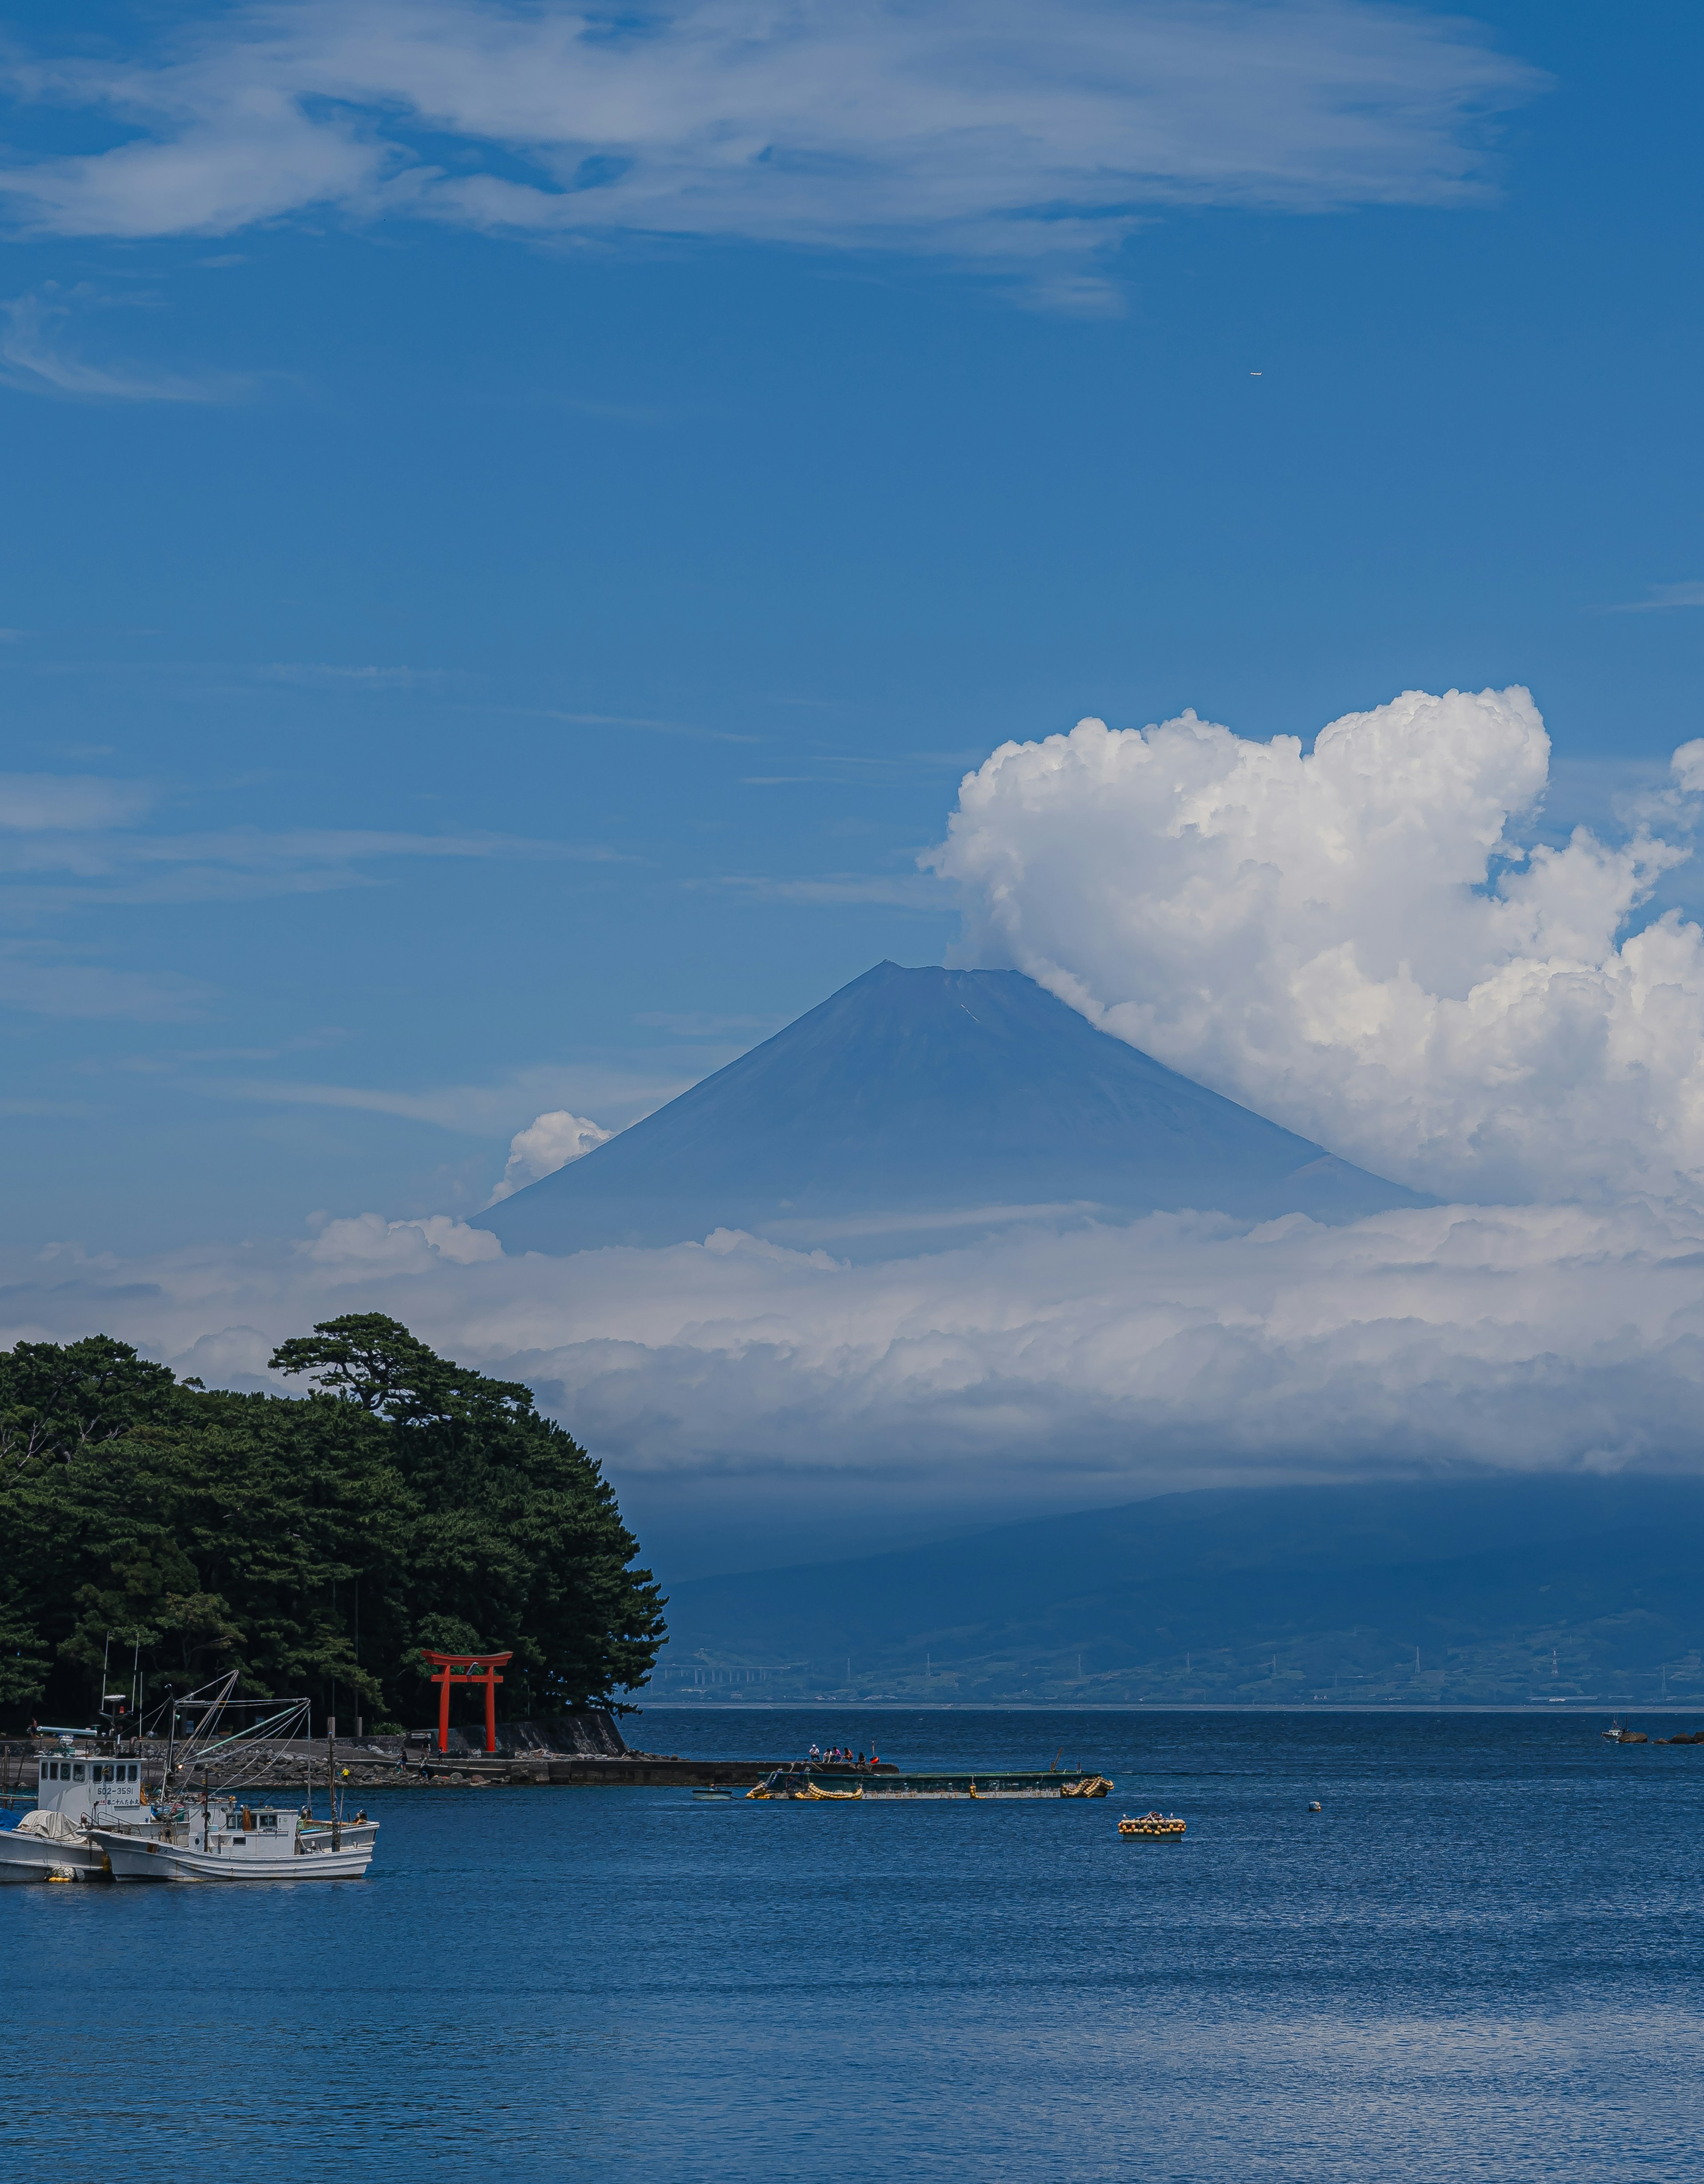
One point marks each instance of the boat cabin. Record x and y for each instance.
(89, 1788)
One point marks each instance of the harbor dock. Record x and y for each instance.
(602, 1761)
(532, 1755)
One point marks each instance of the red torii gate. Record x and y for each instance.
(466, 1669)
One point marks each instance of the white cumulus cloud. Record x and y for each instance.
(369, 1241)
(549, 1142)
(1357, 941)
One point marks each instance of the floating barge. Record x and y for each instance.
(1152, 1827)
(818, 1785)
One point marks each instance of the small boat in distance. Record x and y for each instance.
(1615, 1734)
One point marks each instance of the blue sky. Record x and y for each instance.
(474, 649)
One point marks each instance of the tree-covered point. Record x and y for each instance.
(313, 1544)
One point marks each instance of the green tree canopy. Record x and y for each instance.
(315, 1544)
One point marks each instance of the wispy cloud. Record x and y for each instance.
(660, 727)
(1017, 137)
(695, 1024)
(46, 981)
(131, 867)
(71, 842)
(898, 891)
(56, 802)
(39, 354)
(495, 1110)
(1691, 594)
(313, 674)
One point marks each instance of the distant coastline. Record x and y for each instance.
(1533, 1708)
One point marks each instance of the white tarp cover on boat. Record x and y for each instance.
(53, 1826)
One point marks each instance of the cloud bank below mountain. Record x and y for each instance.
(1091, 1364)
(1358, 942)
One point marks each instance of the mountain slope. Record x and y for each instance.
(919, 1095)
(1241, 1594)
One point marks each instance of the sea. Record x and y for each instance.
(1479, 1958)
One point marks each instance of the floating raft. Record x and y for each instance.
(810, 1785)
(1152, 1827)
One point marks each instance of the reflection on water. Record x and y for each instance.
(1481, 1960)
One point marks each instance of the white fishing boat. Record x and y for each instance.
(96, 1818)
(79, 1789)
(218, 1831)
(221, 1839)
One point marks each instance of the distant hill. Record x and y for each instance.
(919, 1096)
(1241, 1596)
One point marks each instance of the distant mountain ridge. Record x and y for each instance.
(913, 1096)
(1507, 1591)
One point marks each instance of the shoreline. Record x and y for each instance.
(1160, 1706)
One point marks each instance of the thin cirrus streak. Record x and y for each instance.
(45, 982)
(478, 1110)
(39, 334)
(70, 842)
(61, 803)
(1028, 138)
(65, 843)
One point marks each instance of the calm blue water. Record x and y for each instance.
(1482, 1960)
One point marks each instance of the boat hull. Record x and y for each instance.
(133, 1859)
(39, 1857)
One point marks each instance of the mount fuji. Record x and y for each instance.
(916, 1105)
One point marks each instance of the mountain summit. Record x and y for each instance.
(926, 1099)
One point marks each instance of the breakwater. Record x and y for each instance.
(586, 1749)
